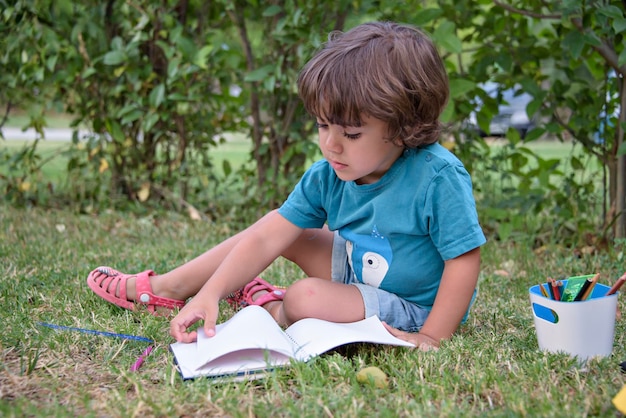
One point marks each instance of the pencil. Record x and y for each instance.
(617, 285)
(587, 293)
(555, 289)
(543, 291)
(550, 288)
(559, 285)
(140, 360)
(583, 289)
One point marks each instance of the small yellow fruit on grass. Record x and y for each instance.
(373, 375)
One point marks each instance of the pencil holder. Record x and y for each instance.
(583, 329)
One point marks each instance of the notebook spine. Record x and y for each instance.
(299, 352)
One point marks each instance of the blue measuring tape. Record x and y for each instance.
(95, 332)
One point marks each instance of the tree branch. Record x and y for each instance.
(603, 49)
(6, 114)
(237, 17)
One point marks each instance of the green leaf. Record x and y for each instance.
(574, 42)
(445, 37)
(201, 56)
(533, 107)
(63, 7)
(592, 39)
(577, 164)
(504, 60)
(483, 120)
(51, 62)
(227, 167)
(269, 84)
(178, 97)
(534, 134)
(504, 230)
(88, 72)
(156, 96)
(426, 16)
(448, 113)
(619, 25)
(259, 74)
(117, 44)
(272, 11)
(115, 130)
(460, 86)
(114, 57)
(172, 69)
(151, 119)
(611, 11)
(132, 116)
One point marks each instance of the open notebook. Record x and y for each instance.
(251, 342)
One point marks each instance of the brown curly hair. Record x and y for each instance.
(385, 70)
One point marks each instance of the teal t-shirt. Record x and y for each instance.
(400, 229)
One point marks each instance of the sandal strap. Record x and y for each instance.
(243, 296)
(273, 293)
(273, 296)
(146, 297)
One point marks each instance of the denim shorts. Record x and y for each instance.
(389, 307)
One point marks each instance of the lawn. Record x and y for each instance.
(235, 150)
(491, 367)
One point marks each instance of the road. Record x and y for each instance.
(51, 134)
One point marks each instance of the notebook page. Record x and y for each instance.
(316, 336)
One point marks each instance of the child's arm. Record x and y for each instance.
(259, 246)
(459, 279)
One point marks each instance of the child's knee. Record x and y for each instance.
(300, 300)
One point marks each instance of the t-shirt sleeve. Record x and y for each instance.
(451, 215)
(303, 206)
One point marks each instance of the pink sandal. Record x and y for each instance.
(243, 297)
(105, 280)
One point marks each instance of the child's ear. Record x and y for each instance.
(399, 142)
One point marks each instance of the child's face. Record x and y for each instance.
(360, 154)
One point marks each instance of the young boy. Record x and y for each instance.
(384, 225)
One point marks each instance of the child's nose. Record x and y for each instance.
(332, 141)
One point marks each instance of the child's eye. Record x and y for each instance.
(320, 125)
(352, 136)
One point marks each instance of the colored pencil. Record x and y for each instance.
(556, 294)
(587, 293)
(582, 291)
(140, 360)
(550, 288)
(617, 285)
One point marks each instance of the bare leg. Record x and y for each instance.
(318, 298)
(312, 252)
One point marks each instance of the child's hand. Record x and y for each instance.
(191, 313)
(421, 341)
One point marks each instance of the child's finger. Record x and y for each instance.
(181, 323)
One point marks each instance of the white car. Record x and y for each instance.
(511, 112)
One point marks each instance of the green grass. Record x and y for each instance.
(491, 367)
(20, 119)
(236, 150)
